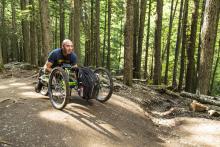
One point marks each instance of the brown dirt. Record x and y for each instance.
(28, 119)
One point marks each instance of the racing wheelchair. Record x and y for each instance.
(86, 82)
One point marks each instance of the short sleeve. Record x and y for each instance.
(73, 59)
(52, 57)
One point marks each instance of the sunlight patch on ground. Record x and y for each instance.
(3, 87)
(205, 132)
(26, 87)
(31, 94)
(17, 84)
(126, 104)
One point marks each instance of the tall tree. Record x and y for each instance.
(104, 38)
(4, 35)
(109, 34)
(215, 69)
(168, 43)
(1, 58)
(157, 43)
(184, 44)
(199, 46)
(147, 40)
(14, 42)
(140, 37)
(45, 26)
(97, 34)
(190, 73)
(128, 44)
(178, 41)
(135, 38)
(33, 39)
(207, 40)
(77, 9)
(62, 21)
(25, 32)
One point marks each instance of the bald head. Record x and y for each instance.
(67, 46)
(66, 41)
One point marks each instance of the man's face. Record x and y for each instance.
(68, 48)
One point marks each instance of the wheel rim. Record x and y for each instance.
(104, 84)
(58, 89)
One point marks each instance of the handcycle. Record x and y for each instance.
(86, 82)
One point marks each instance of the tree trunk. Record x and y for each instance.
(1, 58)
(157, 43)
(135, 38)
(4, 35)
(97, 34)
(33, 39)
(77, 8)
(147, 41)
(104, 38)
(208, 33)
(45, 26)
(168, 44)
(109, 35)
(199, 46)
(190, 74)
(184, 45)
(215, 69)
(174, 82)
(128, 44)
(140, 37)
(62, 21)
(14, 42)
(26, 34)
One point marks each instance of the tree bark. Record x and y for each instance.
(199, 46)
(147, 41)
(4, 35)
(168, 44)
(104, 38)
(1, 58)
(190, 74)
(174, 82)
(135, 38)
(109, 34)
(45, 26)
(184, 45)
(26, 34)
(77, 8)
(14, 41)
(140, 37)
(128, 44)
(97, 34)
(33, 39)
(62, 22)
(157, 43)
(208, 33)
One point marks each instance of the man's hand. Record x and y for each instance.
(48, 67)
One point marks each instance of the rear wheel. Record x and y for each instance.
(105, 84)
(59, 91)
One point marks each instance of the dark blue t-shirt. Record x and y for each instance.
(57, 58)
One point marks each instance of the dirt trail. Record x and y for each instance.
(28, 119)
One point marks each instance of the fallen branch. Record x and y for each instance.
(202, 98)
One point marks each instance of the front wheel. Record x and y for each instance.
(58, 89)
(105, 84)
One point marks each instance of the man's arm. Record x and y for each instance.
(48, 66)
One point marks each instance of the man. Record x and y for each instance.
(61, 56)
(57, 57)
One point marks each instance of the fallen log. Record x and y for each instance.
(202, 98)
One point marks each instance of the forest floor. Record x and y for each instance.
(132, 117)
